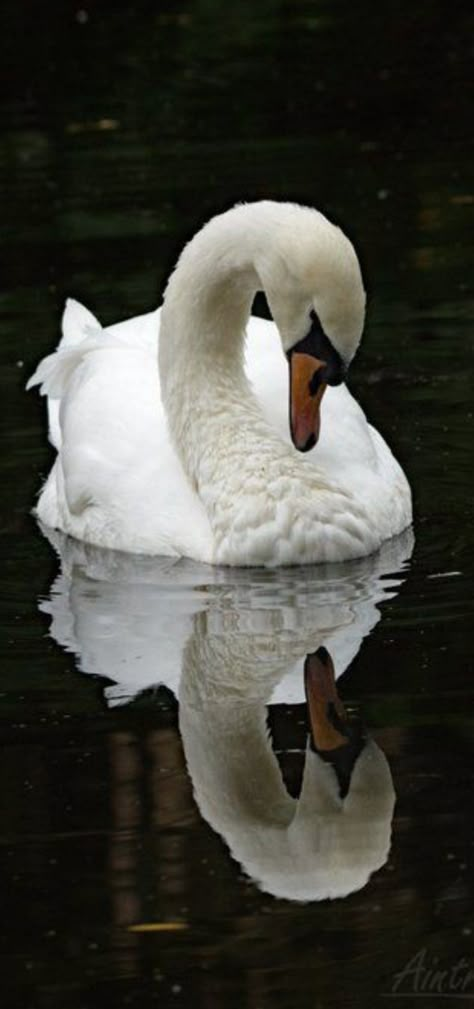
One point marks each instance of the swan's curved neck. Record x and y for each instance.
(247, 477)
(206, 309)
(209, 295)
(213, 417)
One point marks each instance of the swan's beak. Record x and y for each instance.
(306, 392)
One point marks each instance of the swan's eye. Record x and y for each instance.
(314, 364)
(316, 344)
(317, 380)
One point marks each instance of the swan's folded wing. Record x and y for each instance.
(82, 334)
(267, 372)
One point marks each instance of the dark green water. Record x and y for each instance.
(123, 129)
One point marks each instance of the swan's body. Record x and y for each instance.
(195, 458)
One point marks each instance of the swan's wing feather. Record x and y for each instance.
(139, 332)
(116, 468)
(54, 374)
(81, 334)
(267, 371)
(55, 370)
(118, 481)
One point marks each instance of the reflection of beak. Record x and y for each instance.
(306, 392)
(334, 737)
(327, 716)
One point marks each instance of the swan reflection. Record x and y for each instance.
(327, 842)
(229, 644)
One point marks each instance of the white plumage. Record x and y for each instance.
(193, 457)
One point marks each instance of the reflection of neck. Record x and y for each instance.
(309, 848)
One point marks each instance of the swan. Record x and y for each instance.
(229, 645)
(171, 429)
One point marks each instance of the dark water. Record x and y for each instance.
(122, 130)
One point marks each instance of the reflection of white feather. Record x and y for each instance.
(125, 618)
(315, 847)
(228, 643)
(128, 618)
(319, 846)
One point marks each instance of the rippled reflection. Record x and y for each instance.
(229, 644)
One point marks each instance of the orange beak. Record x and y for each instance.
(306, 393)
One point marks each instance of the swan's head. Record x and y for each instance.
(312, 279)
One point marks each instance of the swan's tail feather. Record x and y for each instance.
(54, 371)
(80, 330)
(77, 322)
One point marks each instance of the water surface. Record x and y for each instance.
(122, 131)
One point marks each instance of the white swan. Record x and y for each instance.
(195, 459)
(228, 645)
